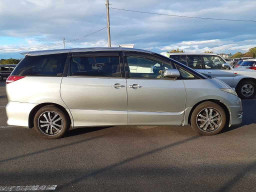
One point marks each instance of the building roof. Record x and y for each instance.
(58, 51)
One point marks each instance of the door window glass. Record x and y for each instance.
(180, 58)
(146, 68)
(184, 74)
(213, 62)
(106, 66)
(194, 61)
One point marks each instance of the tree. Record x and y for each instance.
(176, 51)
(9, 61)
(248, 54)
(208, 52)
(253, 51)
(237, 55)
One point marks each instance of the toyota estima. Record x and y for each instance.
(54, 91)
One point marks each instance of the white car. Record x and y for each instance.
(212, 65)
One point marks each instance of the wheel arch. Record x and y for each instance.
(227, 112)
(36, 108)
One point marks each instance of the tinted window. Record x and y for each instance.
(106, 66)
(140, 67)
(180, 58)
(45, 65)
(194, 61)
(248, 63)
(213, 62)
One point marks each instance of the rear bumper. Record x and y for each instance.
(18, 113)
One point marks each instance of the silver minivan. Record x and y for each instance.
(54, 91)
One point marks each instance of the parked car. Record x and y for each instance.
(55, 90)
(5, 71)
(248, 64)
(212, 65)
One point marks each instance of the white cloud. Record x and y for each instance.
(43, 24)
(215, 45)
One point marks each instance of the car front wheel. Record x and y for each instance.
(51, 122)
(208, 118)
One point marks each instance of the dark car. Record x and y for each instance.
(5, 70)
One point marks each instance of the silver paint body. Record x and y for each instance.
(98, 101)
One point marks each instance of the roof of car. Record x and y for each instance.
(250, 60)
(95, 49)
(192, 54)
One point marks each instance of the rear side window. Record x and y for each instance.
(248, 63)
(181, 58)
(44, 65)
(99, 66)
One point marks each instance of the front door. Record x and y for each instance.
(152, 99)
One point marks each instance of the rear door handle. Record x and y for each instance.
(118, 86)
(135, 86)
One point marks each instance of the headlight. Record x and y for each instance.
(229, 90)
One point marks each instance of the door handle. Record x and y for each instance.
(135, 86)
(118, 86)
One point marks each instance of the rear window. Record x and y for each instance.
(44, 65)
(248, 63)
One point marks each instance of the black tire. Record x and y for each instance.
(246, 89)
(213, 125)
(54, 127)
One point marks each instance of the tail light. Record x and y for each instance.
(253, 67)
(14, 78)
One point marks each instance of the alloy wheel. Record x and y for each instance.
(209, 119)
(247, 90)
(50, 123)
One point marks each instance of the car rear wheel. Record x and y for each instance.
(208, 118)
(51, 122)
(246, 89)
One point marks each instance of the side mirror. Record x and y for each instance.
(171, 73)
(226, 66)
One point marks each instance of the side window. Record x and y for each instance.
(180, 58)
(146, 68)
(194, 61)
(213, 62)
(44, 65)
(99, 66)
(184, 74)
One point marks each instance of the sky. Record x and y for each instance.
(28, 25)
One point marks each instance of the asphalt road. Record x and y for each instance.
(132, 158)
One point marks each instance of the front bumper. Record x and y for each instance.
(236, 115)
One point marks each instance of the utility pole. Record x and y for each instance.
(64, 42)
(108, 23)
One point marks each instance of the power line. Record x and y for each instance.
(87, 35)
(184, 16)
